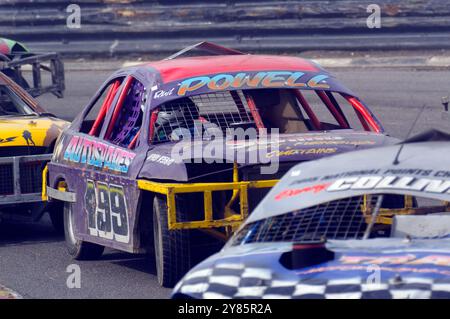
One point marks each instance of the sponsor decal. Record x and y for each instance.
(161, 159)
(226, 81)
(297, 191)
(312, 138)
(417, 263)
(405, 259)
(28, 137)
(394, 269)
(106, 210)
(292, 152)
(336, 142)
(7, 140)
(163, 93)
(428, 180)
(371, 182)
(391, 182)
(97, 154)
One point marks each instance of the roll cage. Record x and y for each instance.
(247, 111)
(42, 65)
(193, 108)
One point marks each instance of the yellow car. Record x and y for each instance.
(27, 137)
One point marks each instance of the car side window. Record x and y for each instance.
(95, 117)
(323, 114)
(11, 104)
(278, 109)
(126, 119)
(355, 119)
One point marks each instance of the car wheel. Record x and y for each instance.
(172, 247)
(56, 213)
(78, 249)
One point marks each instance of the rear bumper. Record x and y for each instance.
(20, 178)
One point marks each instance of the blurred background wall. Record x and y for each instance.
(137, 27)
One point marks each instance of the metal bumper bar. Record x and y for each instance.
(60, 194)
(233, 220)
(17, 196)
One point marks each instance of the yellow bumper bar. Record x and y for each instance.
(44, 184)
(233, 220)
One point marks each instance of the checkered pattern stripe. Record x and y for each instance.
(237, 281)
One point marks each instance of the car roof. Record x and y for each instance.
(423, 159)
(181, 68)
(179, 76)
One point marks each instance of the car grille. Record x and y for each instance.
(339, 219)
(6, 179)
(31, 177)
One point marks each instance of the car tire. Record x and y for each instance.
(172, 247)
(56, 213)
(78, 249)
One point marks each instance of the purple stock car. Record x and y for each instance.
(171, 156)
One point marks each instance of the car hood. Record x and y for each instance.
(281, 148)
(375, 268)
(29, 130)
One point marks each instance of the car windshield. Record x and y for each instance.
(358, 217)
(12, 104)
(286, 110)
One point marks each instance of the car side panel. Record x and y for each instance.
(99, 192)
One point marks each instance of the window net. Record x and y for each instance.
(221, 110)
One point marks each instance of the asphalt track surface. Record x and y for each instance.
(33, 260)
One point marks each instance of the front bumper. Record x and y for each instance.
(231, 219)
(20, 178)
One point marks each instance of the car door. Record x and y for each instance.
(100, 157)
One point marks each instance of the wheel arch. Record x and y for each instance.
(144, 220)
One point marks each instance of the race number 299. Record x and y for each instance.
(106, 210)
